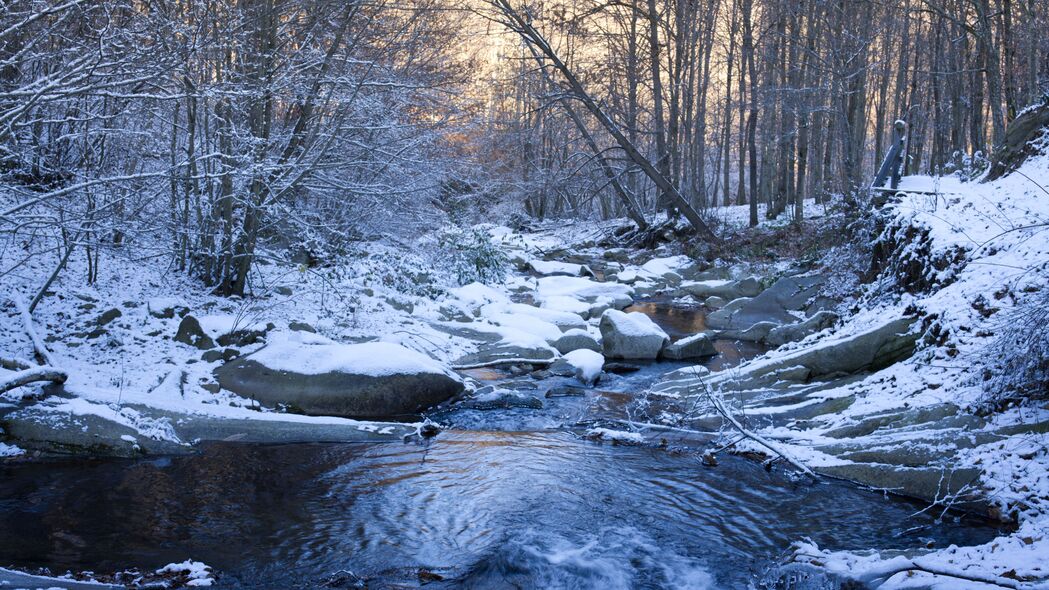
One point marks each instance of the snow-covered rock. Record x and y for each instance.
(726, 289)
(587, 364)
(576, 340)
(316, 376)
(631, 335)
(566, 269)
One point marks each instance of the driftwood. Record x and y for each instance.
(785, 455)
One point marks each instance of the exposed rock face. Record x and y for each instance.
(296, 326)
(491, 355)
(726, 289)
(715, 302)
(771, 305)
(190, 332)
(369, 381)
(1018, 146)
(871, 350)
(108, 316)
(631, 336)
(692, 347)
(791, 332)
(576, 340)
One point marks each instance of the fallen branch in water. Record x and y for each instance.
(785, 455)
(876, 576)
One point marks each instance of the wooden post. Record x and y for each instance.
(892, 164)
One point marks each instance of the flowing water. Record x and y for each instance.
(508, 498)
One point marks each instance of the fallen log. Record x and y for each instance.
(20, 378)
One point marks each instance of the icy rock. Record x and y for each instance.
(631, 335)
(491, 355)
(695, 346)
(318, 377)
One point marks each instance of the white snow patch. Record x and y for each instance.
(198, 573)
(588, 364)
(309, 355)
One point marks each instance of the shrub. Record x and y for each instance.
(1022, 352)
(472, 256)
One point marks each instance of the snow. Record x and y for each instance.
(7, 450)
(565, 303)
(197, 573)
(309, 355)
(525, 323)
(633, 323)
(580, 288)
(661, 266)
(619, 436)
(547, 268)
(588, 364)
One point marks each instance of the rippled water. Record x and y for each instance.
(507, 499)
(477, 509)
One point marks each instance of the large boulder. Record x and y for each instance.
(726, 289)
(315, 376)
(631, 335)
(771, 305)
(691, 347)
(874, 349)
(548, 268)
(503, 353)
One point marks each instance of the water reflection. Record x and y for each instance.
(480, 509)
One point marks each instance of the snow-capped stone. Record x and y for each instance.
(576, 340)
(316, 376)
(631, 335)
(587, 364)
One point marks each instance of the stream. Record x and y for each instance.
(505, 498)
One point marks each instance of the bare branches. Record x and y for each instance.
(719, 406)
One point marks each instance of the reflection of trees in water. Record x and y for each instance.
(679, 321)
(113, 515)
